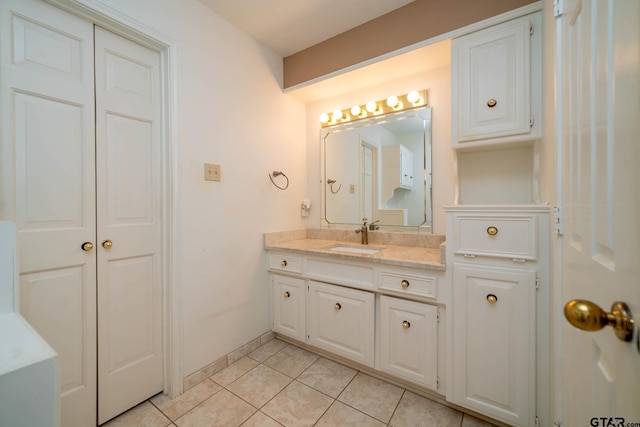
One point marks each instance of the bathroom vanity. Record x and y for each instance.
(381, 306)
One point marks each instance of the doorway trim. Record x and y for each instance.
(106, 17)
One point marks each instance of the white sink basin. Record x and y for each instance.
(357, 249)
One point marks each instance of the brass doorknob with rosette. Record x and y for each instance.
(588, 316)
(87, 246)
(107, 244)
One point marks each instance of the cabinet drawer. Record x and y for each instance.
(504, 236)
(285, 262)
(360, 276)
(419, 285)
(341, 320)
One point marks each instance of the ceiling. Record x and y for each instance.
(289, 26)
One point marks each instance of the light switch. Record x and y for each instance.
(211, 172)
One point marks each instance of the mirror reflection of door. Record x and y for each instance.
(368, 199)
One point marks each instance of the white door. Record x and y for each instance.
(51, 120)
(48, 185)
(599, 96)
(367, 180)
(129, 223)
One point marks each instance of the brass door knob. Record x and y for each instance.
(588, 316)
(87, 246)
(491, 103)
(492, 298)
(287, 294)
(406, 324)
(107, 244)
(283, 263)
(405, 284)
(492, 231)
(337, 306)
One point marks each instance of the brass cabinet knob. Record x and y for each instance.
(287, 294)
(283, 263)
(87, 246)
(588, 316)
(492, 231)
(492, 298)
(337, 306)
(405, 283)
(406, 324)
(491, 103)
(107, 244)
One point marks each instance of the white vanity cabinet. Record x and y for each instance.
(409, 340)
(499, 301)
(383, 316)
(496, 84)
(341, 320)
(288, 298)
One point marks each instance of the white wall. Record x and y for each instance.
(232, 112)
(438, 84)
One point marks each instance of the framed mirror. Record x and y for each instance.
(379, 169)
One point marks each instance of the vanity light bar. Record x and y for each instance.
(393, 104)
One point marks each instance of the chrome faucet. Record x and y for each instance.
(364, 231)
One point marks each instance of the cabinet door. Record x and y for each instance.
(494, 342)
(408, 340)
(288, 296)
(491, 82)
(341, 320)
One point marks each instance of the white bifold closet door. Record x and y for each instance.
(81, 163)
(129, 216)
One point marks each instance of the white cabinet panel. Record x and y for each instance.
(494, 342)
(289, 300)
(408, 340)
(285, 262)
(496, 235)
(360, 276)
(408, 283)
(341, 320)
(494, 89)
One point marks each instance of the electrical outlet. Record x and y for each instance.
(211, 172)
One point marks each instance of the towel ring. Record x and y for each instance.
(331, 182)
(278, 173)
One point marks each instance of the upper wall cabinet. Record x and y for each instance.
(496, 84)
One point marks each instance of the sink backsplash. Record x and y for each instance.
(375, 237)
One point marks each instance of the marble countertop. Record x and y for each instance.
(407, 256)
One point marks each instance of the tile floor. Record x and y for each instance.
(283, 385)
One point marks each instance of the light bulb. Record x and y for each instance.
(324, 118)
(392, 101)
(371, 106)
(413, 96)
(337, 115)
(355, 110)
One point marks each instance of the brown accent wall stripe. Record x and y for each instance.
(408, 25)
